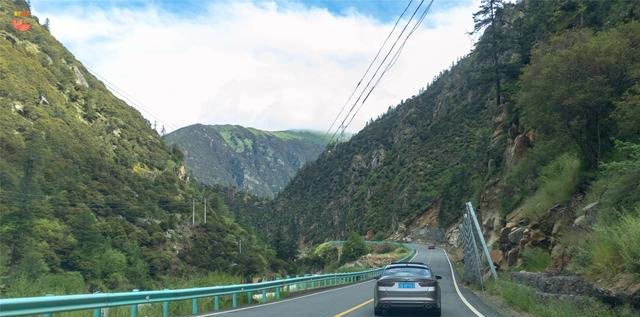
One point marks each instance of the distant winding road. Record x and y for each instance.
(356, 300)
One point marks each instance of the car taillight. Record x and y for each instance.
(385, 283)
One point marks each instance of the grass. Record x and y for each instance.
(557, 183)
(524, 299)
(614, 247)
(535, 260)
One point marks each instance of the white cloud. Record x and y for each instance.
(262, 65)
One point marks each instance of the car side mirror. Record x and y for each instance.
(438, 277)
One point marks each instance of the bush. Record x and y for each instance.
(614, 247)
(353, 248)
(558, 181)
(535, 259)
(524, 299)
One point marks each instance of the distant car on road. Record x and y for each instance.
(407, 285)
(431, 246)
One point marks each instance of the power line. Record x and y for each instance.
(129, 98)
(392, 63)
(369, 67)
(342, 124)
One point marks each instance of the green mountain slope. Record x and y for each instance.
(564, 135)
(260, 162)
(90, 196)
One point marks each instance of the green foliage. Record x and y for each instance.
(524, 299)
(353, 248)
(612, 249)
(91, 199)
(573, 82)
(535, 259)
(558, 181)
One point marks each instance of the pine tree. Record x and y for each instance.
(488, 18)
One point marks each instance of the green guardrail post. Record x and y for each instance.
(134, 307)
(264, 296)
(194, 306)
(97, 312)
(234, 300)
(249, 298)
(277, 293)
(216, 303)
(47, 314)
(165, 309)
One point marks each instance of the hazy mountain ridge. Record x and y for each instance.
(260, 162)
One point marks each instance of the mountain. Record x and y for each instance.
(90, 196)
(536, 126)
(259, 162)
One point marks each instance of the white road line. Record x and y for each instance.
(291, 299)
(455, 284)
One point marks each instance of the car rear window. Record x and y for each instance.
(407, 271)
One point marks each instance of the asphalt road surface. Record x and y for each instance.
(356, 300)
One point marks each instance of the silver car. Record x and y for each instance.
(407, 285)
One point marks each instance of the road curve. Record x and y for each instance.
(357, 300)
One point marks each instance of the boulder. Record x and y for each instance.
(512, 257)
(504, 235)
(369, 235)
(536, 236)
(580, 222)
(497, 257)
(516, 235)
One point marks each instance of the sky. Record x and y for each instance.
(272, 65)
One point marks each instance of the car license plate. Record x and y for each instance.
(407, 285)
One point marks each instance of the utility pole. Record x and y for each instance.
(239, 246)
(155, 124)
(205, 211)
(193, 212)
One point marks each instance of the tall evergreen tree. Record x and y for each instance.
(488, 18)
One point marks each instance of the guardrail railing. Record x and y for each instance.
(48, 305)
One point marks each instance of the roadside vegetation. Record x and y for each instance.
(525, 300)
(355, 254)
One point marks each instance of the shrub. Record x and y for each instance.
(535, 259)
(558, 181)
(353, 248)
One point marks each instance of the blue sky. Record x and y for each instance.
(382, 10)
(272, 65)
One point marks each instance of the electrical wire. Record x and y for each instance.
(393, 61)
(342, 126)
(369, 67)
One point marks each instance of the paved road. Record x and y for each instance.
(357, 300)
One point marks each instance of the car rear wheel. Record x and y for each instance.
(436, 312)
(378, 311)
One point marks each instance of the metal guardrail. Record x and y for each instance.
(48, 305)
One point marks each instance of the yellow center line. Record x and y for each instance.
(354, 308)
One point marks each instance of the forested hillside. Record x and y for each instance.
(260, 162)
(544, 113)
(90, 197)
